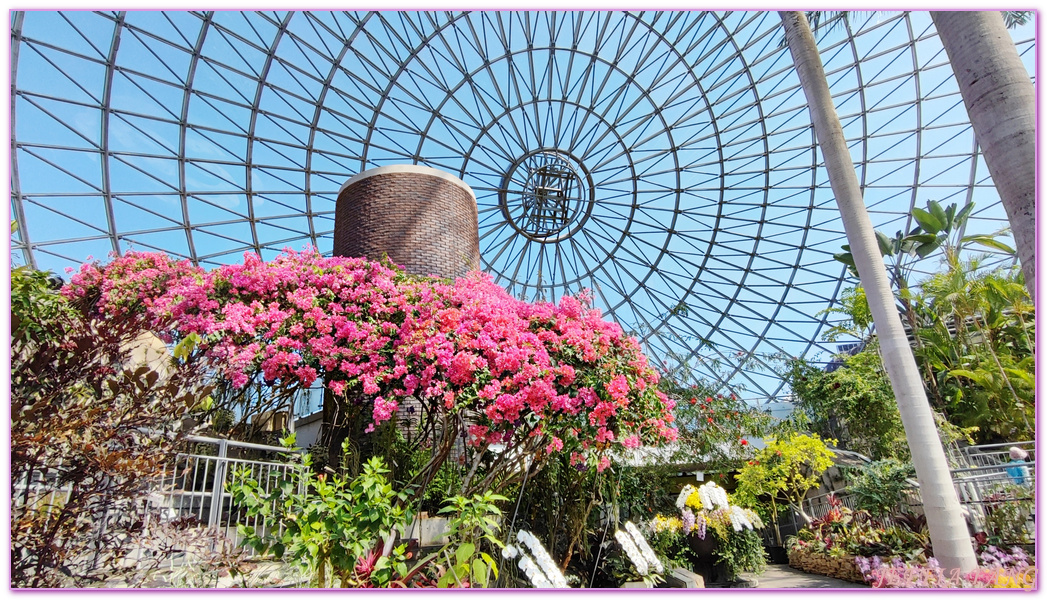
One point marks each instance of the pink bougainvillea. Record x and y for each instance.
(558, 372)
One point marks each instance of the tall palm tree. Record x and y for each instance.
(1001, 102)
(948, 530)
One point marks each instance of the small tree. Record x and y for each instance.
(785, 470)
(90, 428)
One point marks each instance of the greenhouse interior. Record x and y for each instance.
(523, 299)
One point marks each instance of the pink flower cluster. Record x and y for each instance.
(378, 335)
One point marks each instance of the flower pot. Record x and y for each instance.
(705, 561)
(777, 555)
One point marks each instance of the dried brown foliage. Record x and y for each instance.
(90, 428)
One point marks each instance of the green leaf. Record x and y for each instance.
(926, 220)
(845, 257)
(884, 242)
(490, 563)
(1021, 374)
(961, 218)
(939, 214)
(463, 552)
(921, 238)
(925, 250)
(988, 242)
(447, 580)
(206, 404)
(479, 573)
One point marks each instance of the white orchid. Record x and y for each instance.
(542, 571)
(645, 548)
(685, 493)
(739, 519)
(627, 543)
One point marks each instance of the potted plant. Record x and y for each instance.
(721, 536)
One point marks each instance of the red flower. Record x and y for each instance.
(710, 419)
(744, 442)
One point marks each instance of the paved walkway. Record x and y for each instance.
(784, 576)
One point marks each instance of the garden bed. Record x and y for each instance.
(842, 567)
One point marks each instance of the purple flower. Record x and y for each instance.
(863, 564)
(688, 520)
(700, 526)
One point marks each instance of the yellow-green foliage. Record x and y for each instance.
(785, 469)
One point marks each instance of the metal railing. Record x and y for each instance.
(987, 455)
(193, 484)
(190, 491)
(984, 477)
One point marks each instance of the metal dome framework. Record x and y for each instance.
(664, 160)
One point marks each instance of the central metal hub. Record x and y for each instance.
(547, 195)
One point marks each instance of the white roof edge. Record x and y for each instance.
(417, 169)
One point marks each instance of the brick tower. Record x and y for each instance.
(422, 218)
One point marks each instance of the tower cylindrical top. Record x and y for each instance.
(421, 218)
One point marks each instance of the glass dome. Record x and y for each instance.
(665, 160)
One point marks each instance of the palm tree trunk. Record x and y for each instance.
(1001, 102)
(952, 545)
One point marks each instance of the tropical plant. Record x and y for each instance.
(879, 487)
(91, 425)
(853, 403)
(741, 552)
(712, 425)
(534, 561)
(978, 341)
(842, 532)
(946, 521)
(971, 326)
(643, 561)
(707, 512)
(340, 531)
(668, 540)
(938, 229)
(471, 522)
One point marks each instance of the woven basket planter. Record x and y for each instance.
(837, 567)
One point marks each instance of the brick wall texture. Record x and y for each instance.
(423, 222)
